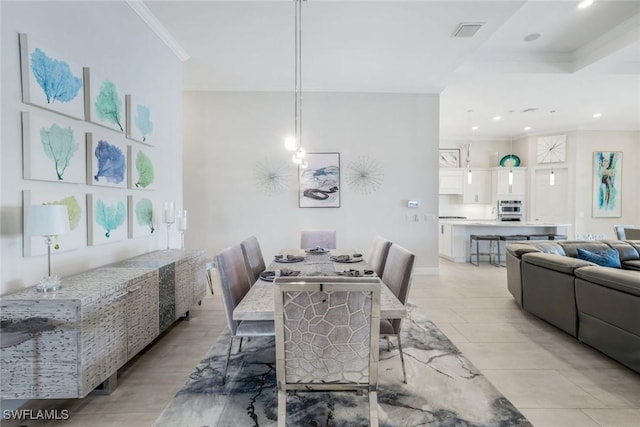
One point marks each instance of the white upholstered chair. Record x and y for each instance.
(341, 315)
(619, 230)
(253, 258)
(313, 238)
(234, 282)
(378, 254)
(397, 276)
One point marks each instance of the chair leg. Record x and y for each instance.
(282, 408)
(226, 364)
(373, 408)
(404, 371)
(388, 343)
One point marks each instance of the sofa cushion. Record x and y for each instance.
(605, 258)
(626, 251)
(571, 246)
(633, 264)
(563, 264)
(621, 280)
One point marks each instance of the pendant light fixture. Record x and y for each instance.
(295, 143)
(467, 149)
(552, 176)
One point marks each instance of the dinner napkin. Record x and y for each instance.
(289, 258)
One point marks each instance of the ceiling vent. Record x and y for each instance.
(467, 29)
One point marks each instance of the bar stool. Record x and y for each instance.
(537, 237)
(492, 239)
(557, 237)
(510, 238)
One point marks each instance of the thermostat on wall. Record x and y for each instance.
(413, 204)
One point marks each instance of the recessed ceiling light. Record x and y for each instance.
(597, 115)
(584, 4)
(531, 37)
(475, 128)
(496, 118)
(527, 128)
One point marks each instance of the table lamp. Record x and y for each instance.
(47, 221)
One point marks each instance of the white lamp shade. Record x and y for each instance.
(47, 220)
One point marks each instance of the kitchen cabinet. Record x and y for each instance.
(450, 181)
(479, 191)
(501, 188)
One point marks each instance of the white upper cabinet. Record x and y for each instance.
(501, 187)
(451, 181)
(479, 190)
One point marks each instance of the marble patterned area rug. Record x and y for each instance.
(444, 389)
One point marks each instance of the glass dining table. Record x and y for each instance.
(258, 303)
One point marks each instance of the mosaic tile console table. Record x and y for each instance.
(67, 343)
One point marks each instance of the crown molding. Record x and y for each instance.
(149, 18)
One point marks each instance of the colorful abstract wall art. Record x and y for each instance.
(139, 121)
(106, 160)
(53, 149)
(141, 217)
(76, 205)
(107, 218)
(141, 170)
(104, 101)
(320, 181)
(49, 80)
(607, 184)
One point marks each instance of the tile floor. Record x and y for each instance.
(552, 378)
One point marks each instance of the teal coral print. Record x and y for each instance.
(144, 214)
(111, 162)
(54, 77)
(109, 105)
(59, 145)
(110, 217)
(143, 121)
(144, 166)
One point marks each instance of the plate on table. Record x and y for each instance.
(357, 273)
(316, 251)
(270, 275)
(288, 258)
(347, 259)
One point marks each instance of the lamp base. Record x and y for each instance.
(49, 284)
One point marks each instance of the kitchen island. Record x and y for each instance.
(454, 234)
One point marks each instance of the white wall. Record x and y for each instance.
(580, 148)
(228, 134)
(106, 36)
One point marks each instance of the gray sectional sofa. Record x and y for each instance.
(598, 305)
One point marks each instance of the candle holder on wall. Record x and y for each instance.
(169, 218)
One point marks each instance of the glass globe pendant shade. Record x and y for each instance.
(290, 143)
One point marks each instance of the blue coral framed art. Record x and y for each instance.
(107, 217)
(53, 148)
(106, 160)
(142, 220)
(50, 80)
(76, 209)
(104, 101)
(140, 120)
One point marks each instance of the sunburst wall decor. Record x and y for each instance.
(364, 175)
(272, 176)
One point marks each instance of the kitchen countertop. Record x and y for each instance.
(494, 223)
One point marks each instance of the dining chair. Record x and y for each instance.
(313, 238)
(631, 233)
(253, 258)
(378, 254)
(397, 276)
(234, 283)
(337, 349)
(619, 230)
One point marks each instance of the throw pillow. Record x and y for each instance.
(605, 258)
